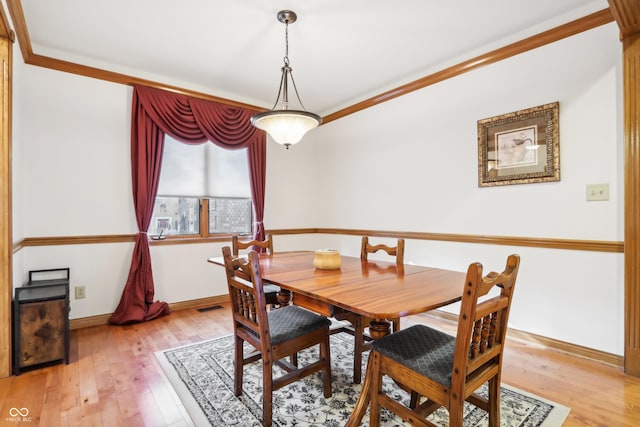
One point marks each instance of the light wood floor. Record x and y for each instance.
(113, 378)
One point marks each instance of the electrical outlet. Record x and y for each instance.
(80, 292)
(597, 192)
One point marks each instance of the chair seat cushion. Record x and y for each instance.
(423, 349)
(292, 321)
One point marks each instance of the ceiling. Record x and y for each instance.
(341, 52)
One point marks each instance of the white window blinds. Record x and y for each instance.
(203, 170)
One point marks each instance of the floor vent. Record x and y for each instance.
(213, 307)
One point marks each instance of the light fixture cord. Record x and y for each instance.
(284, 81)
(286, 43)
(286, 70)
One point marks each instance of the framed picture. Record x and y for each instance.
(519, 148)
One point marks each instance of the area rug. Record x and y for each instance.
(202, 375)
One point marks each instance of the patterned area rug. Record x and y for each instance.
(202, 375)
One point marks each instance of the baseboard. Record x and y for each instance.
(87, 322)
(199, 303)
(573, 349)
(103, 319)
(528, 337)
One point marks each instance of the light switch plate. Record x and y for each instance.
(597, 192)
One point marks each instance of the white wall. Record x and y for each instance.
(77, 155)
(72, 136)
(411, 165)
(424, 149)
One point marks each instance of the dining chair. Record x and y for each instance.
(444, 369)
(275, 335)
(396, 251)
(357, 323)
(239, 244)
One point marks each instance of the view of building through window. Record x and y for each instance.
(175, 215)
(230, 215)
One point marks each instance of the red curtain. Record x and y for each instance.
(192, 121)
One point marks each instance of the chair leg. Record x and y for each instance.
(456, 413)
(373, 369)
(358, 337)
(267, 392)
(363, 400)
(494, 402)
(415, 399)
(238, 366)
(325, 355)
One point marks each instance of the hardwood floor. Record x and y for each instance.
(113, 378)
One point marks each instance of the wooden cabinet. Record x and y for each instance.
(41, 320)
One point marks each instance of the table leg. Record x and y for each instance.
(284, 297)
(378, 328)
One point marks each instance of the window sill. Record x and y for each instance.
(186, 240)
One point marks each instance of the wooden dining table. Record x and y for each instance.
(375, 289)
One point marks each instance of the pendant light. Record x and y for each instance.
(286, 127)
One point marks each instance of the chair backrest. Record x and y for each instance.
(238, 244)
(248, 303)
(482, 324)
(397, 251)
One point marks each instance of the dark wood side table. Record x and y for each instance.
(41, 319)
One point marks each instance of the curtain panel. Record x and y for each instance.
(190, 120)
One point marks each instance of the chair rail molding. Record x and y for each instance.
(538, 242)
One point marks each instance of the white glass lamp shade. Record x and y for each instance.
(286, 127)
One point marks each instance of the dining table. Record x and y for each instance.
(379, 290)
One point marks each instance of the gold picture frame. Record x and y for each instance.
(522, 147)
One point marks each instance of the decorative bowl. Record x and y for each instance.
(327, 259)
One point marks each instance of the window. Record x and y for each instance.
(204, 189)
